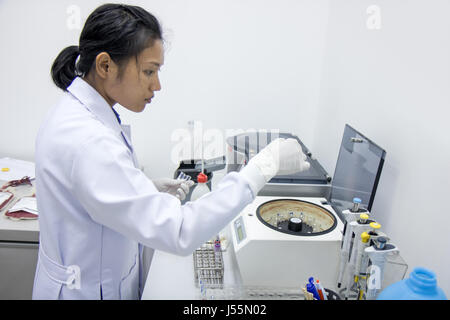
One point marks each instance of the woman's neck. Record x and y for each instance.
(98, 85)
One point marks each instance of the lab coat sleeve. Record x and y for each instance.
(119, 196)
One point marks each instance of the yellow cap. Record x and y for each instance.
(364, 216)
(375, 225)
(365, 237)
(5, 169)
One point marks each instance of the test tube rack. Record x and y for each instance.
(208, 266)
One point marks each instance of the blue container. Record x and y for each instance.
(421, 285)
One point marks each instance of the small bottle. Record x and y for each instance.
(201, 188)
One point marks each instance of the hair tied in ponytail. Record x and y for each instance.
(64, 69)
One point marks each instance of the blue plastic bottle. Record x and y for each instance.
(421, 285)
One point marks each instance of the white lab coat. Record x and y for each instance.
(97, 209)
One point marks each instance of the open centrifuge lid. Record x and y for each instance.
(357, 172)
(251, 143)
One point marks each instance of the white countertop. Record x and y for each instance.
(171, 277)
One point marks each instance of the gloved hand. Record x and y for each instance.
(177, 188)
(280, 157)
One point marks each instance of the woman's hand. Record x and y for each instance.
(280, 157)
(177, 188)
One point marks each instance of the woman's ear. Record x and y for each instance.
(104, 66)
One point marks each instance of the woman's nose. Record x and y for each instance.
(156, 84)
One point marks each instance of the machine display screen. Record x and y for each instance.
(239, 228)
(240, 233)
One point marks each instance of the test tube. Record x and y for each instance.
(316, 227)
(380, 243)
(217, 250)
(273, 219)
(356, 203)
(183, 176)
(363, 217)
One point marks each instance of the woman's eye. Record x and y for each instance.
(149, 72)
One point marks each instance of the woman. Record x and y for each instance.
(97, 209)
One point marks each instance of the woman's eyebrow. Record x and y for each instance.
(154, 63)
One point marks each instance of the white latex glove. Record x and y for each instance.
(280, 157)
(177, 188)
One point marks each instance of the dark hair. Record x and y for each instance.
(122, 31)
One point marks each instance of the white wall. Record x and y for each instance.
(393, 84)
(233, 64)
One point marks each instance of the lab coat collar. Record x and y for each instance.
(90, 98)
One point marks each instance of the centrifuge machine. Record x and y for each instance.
(293, 229)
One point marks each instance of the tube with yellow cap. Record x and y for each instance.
(362, 222)
(358, 227)
(362, 258)
(362, 264)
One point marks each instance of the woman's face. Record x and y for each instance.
(139, 81)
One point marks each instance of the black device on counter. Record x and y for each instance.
(193, 167)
